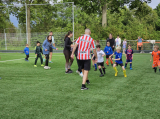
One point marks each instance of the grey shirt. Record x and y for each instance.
(99, 55)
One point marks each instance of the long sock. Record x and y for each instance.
(83, 85)
(124, 72)
(130, 65)
(111, 61)
(115, 69)
(107, 61)
(95, 66)
(126, 65)
(104, 70)
(100, 71)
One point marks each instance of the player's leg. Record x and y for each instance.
(99, 67)
(159, 65)
(41, 60)
(66, 54)
(103, 68)
(154, 66)
(44, 59)
(111, 61)
(36, 61)
(126, 63)
(46, 63)
(50, 57)
(124, 70)
(92, 60)
(95, 64)
(115, 69)
(130, 64)
(107, 56)
(70, 62)
(27, 57)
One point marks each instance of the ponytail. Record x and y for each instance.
(69, 32)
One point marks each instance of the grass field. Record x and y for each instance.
(34, 93)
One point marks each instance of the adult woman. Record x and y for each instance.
(111, 40)
(47, 45)
(67, 51)
(118, 41)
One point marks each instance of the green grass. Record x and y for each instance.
(34, 93)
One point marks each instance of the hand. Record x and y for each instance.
(26, 51)
(56, 48)
(150, 60)
(72, 45)
(45, 49)
(36, 54)
(113, 59)
(75, 40)
(113, 46)
(72, 56)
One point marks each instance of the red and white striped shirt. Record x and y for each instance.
(85, 43)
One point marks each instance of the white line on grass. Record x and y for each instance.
(14, 59)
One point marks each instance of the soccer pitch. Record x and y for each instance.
(34, 93)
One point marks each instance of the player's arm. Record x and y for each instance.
(95, 52)
(54, 44)
(111, 55)
(36, 51)
(103, 54)
(115, 59)
(74, 48)
(151, 58)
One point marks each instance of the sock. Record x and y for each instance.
(124, 72)
(115, 69)
(107, 61)
(111, 61)
(126, 65)
(87, 80)
(130, 65)
(83, 85)
(100, 71)
(95, 66)
(104, 70)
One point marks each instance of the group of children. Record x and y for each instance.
(109, 57)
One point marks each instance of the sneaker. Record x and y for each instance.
(81, 74)
(101, 75)
(66, 72)
(25, 60)
(78, 72)
(50, 62)
(35, 65)
(46, 67)
(44, 60)
(125, 76)
(116, 73)
(87, 82)
(70, 71)
(95, 70)
(42, 65)
(84, 88)
(130, 68)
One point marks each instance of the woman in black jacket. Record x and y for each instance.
(67, 51)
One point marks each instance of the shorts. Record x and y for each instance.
(140, 44)
(119, 64)
(124, 47)
(107, 56)
(100, 64)
(156, 63)
(129, 60)
(93, 57)
(85, 64)
(50, 49)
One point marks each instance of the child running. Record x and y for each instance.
(156, 58)
(118, 61)
(129, 56)
(108, 51)
(124, 45)
(38, 52)
(26, 51)
(100, 61)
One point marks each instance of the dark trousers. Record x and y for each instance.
(27, 56)
(47, 59)
(79, 67)
(39, 56)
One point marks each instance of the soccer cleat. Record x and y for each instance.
(50, 62)
(46, 67)
(130, 68)
(44, 60)
(125, 76)
(66, 72)
(35, 65)
(77, 72)
(25, 60)
(84, 88)
(81, 74)
(116, 73)
(70, 71)
(101, 75)
(95, 70)
(42, 65)
(49, 67)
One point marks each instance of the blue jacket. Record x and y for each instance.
(108, 50)
(26, 50)
(47, 45)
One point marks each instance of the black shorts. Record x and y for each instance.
(85, 64)
(93, 57)
(100, 64)
(107, 56)
(119, 64)
(50, 49)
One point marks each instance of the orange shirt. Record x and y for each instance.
(156, 55)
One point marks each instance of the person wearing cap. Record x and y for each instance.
(38, 52)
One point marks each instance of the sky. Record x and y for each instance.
(153, 4)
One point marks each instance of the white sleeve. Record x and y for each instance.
(102, 52)
(119, 40)
(53, 40)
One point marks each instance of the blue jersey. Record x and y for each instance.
(117, 56)
(108, 50)
(26, 50)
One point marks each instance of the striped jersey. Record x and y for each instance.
(85, 43)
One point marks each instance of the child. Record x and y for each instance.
(129, 56)
(108, 51)
(156, 58)
(38, 52)
(26, 51)
(124, 45)
(118, 61)
(100, 61)
(93, 57)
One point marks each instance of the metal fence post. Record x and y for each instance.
(5, 41)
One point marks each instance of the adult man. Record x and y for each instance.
(111, 40)
(50, 50)
(84, 43)
(140, 43)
